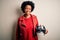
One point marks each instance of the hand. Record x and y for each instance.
(46, 31)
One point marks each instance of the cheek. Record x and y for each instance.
(27, 10)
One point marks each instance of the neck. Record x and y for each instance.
(26, 15)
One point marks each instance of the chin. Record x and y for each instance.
(27, 13)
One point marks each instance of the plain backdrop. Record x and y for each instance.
(47, 12)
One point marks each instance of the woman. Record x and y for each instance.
(27, 23)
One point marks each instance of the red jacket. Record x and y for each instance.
(20, 30)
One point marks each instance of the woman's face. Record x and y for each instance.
(27, 9)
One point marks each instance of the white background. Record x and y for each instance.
(47, 12)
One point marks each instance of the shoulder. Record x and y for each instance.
(34, 16)
(21, 17)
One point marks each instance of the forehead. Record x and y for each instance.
(29, 6)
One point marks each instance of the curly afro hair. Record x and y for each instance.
(27, 3)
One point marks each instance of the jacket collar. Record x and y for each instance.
(22, 17)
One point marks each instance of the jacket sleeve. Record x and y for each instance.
(17, 31)
(36, 38)
(37, 22)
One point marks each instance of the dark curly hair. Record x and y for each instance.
(27, 3)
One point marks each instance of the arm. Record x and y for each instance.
(46, 31)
